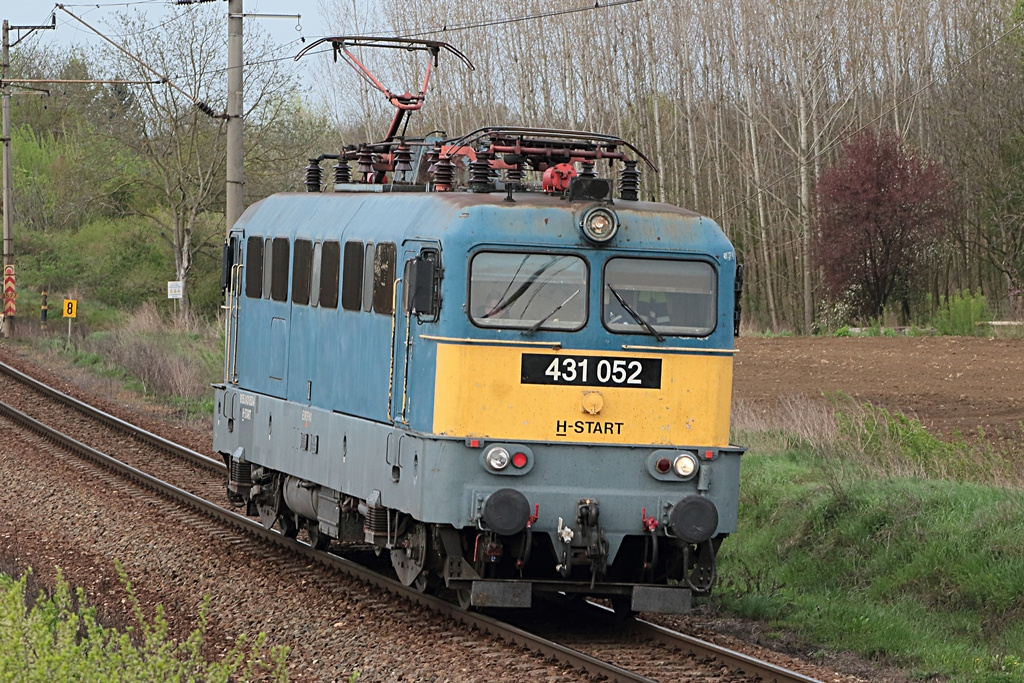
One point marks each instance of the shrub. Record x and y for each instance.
(959, 314)
(59, 638)
(118, 263)
(166, 360)
(858, 533)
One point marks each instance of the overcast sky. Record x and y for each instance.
(283, 31)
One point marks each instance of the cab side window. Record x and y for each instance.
(302, 271)
(352, 284)
(330, 270)
(254, 267)
(279, 269)
(384, 278)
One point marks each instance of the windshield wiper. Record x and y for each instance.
(514, 296)
(556, 309)
(636, 316)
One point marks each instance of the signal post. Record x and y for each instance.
(70, 312)
(8, 237)
(5, 95)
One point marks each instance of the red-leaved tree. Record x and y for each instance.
(879, 209)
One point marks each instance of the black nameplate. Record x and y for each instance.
(591, 371)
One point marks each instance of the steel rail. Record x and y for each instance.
(110, 420)
(485, 624)
(768, 672)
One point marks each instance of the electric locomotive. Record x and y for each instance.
(477, 354)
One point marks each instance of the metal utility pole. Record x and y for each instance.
(8, 235)
(234, 199)
(235, 171)
(5, 90)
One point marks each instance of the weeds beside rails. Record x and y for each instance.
(860, 531)
(58, 638)
(153, 357)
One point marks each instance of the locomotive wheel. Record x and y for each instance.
(286, 522)
(410, 559)
(278, 513)
(421, 584)
(317, 539)
(465, 598)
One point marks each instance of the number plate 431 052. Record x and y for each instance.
(591, 371)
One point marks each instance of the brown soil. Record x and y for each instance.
(950, 384)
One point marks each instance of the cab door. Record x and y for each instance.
(231, 284)
(416, 300)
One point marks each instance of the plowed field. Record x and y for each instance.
(948, 383)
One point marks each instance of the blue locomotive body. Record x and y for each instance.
(512, 391)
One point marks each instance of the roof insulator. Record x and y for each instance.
(364, 163)
(403, 159)
(444, 175)
(514, 175)
(342, 172)
(480, 173)
(313, 176)
(629, 181)
(429, 160)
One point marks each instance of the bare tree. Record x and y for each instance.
(175, 150)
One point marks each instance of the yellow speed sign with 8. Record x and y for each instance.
(70, 308)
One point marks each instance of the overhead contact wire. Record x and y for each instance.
(205, 108)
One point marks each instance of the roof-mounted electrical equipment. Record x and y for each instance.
(407, 101)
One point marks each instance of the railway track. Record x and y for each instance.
(633, 650)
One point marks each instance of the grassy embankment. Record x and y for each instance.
(860, 531)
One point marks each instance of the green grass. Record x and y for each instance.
(146, 354)
(59, 638)
(876, 538)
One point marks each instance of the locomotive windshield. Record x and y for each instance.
(528, 291)
(669, 297)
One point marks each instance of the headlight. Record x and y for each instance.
(497, 458)
(685, 465)
(599, 225)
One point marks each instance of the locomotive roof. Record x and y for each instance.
(533, 217)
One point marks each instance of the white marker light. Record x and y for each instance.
(685, 465)
(497, 458)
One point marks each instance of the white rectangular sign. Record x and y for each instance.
(174, 289)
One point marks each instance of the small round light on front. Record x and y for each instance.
(685, 465)
(497, 458)
(519, 460)
(599, 225)
(663, 465)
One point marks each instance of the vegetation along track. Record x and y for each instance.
(643, 651)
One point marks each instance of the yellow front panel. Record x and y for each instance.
(479, 393)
